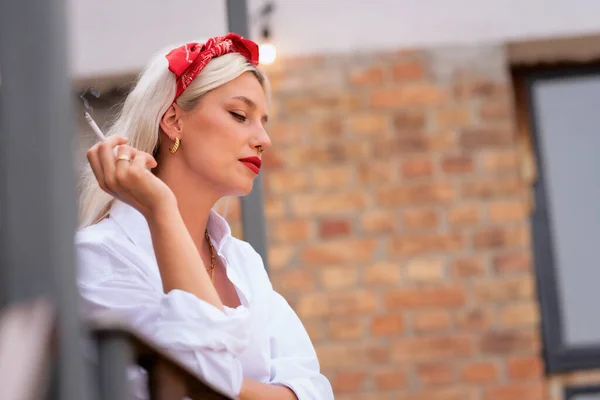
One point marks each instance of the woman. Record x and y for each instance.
(152, 249)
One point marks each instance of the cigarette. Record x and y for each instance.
(93, 125)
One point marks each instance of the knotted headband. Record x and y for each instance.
(188, 60)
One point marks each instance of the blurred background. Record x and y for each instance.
(430, 204)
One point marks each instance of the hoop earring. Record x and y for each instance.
(175, 146)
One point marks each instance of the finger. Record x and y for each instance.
(107, 160)
(122, 164)
(94, 160)
(143, 160)
(115, 140)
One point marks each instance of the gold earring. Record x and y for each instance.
(175, 146)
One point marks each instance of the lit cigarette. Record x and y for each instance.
(93, 125)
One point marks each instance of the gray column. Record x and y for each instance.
(37, 196)
(253, 216)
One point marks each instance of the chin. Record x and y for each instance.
(243, 189)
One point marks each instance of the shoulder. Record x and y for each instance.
(101, 251)
(99, 234)
(248, 258)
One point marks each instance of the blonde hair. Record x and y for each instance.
(139, 119)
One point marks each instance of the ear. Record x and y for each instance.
(171, 123)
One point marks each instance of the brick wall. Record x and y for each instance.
(398, 223)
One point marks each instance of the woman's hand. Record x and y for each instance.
(127, 178)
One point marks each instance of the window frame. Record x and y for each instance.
(558, 355)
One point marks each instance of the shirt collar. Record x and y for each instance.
(135, 226)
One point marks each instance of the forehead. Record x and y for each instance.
(245, 85)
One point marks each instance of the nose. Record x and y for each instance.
(262, 141)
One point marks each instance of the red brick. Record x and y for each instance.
(474, 319)
(322, 103)
(370, 76)
(519, 315)
(287, 181)
(452, 116)
(524, 368)
(336, 303)
(464, 214)
(479, 372)
(376, 172)
(468, 267)
(417, 168)
(419, 218)
(335, 354)
(335, 227)
(378, 221)
(504, 290)
(484, 138)
(501, 237)
(480, 90)
(284, 133)
(436, 192)
(275, 207)
(496, 111)
(294, 281)
(432, 321)
(280, 256)
(432, 348)
(340, 329)
(454, 165)
(324, 129)
(499, 161)
(409, 120)
(314, 328)
(338, 251)
(348, 381)
(417, 94)
(503, 342)
(426, 297)
(508, 211)
(516, 262)
(327, 204)
(290, 230)
(489, 188)
(435, 373)
(355, 150)
(382, 273)
(409, 144)
(426, 269)
(529, 391)
(387, 325)
(368, 124)
(408, 70)
(417, 244)
(332, 177)
(333, 278)
(390, 378)
(442, 393)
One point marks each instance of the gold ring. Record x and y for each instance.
(124, 157)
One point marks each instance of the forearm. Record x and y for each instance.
(254, 390)
(178, 259)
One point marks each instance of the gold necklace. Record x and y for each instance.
(212, 257)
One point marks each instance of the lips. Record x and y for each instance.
(253, 163)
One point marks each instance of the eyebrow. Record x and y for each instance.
(250, 104)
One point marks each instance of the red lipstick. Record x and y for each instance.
(253, 163)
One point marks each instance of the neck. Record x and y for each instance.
(193, 200)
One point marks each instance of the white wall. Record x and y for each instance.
(117, 36)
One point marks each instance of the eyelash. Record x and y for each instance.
(237, 116)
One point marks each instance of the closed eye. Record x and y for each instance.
(237, 116)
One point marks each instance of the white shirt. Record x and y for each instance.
(262, 339)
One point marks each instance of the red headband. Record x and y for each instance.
(188, 60)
